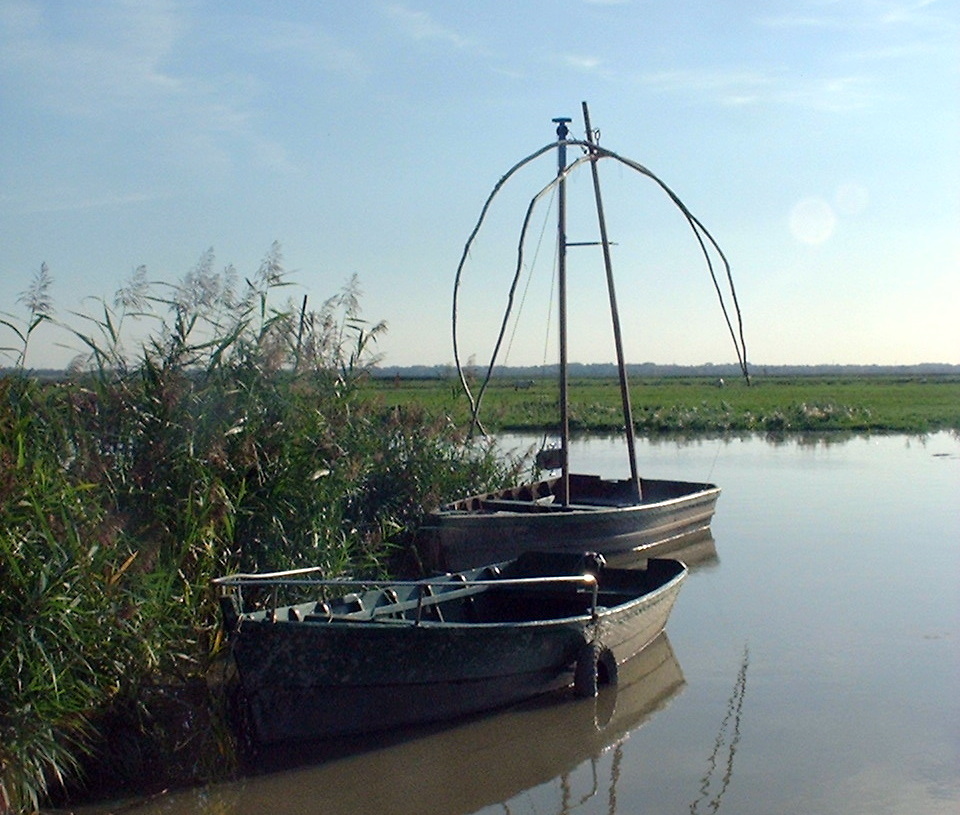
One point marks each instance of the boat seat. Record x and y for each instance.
(353, 600)
(398, 610)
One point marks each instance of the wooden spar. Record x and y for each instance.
(562, 132)
(614, 312)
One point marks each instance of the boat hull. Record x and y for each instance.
(552, 735)
(311, 680)
(602, 516)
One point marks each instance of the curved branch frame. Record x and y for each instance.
(593, 152)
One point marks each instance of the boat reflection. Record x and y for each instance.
(697, 549)
(461, 769)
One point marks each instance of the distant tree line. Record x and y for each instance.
(651, 369)
(602, 370)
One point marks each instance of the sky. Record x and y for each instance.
(817, 140)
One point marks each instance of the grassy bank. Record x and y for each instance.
(700, 405)
(236, 436)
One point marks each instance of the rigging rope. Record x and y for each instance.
(594, 152)
(526, 288)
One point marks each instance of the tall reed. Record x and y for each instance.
(233, 437)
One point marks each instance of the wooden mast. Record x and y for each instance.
(614, 313)
(562, 132)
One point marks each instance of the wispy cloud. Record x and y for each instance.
(865, 14)
(836, 94)
(71, 201)
(308, 44)
(795, 21)
(920, 13)
(706, 81)
(899, 51)
(741, 88)
(582, 63)
(420, 25)
(111, 58)
(855, 38)
(114, 61)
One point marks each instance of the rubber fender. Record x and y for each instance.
(595, 666)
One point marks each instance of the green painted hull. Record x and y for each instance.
(309, 675)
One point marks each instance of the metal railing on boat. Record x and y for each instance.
(450, 587)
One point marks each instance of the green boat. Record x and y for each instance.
(359, 657)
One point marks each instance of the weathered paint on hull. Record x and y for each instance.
(453, 539)
(305, 681)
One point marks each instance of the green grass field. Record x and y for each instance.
(699, 405)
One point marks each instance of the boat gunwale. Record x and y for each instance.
(451, 579)
(538, 505)
(378, 615)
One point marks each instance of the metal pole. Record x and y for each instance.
(614, 314)
(562, 132)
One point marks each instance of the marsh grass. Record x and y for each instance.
(698, 405)
(233, 437)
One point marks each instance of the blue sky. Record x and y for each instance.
(818, 140)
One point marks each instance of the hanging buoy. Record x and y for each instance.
(595, 666)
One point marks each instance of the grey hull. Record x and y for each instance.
(600, 517)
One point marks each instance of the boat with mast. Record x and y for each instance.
(574, 512)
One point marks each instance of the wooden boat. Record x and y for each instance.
(379, 657)
(572, 512)
(601, 515)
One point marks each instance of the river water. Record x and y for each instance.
(811, 664)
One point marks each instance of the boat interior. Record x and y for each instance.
(528, 589)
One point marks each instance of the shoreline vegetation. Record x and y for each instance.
(683, 400)
(698, 405)
(246, 432)
(234, 437)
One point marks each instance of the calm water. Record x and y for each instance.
(811, 664)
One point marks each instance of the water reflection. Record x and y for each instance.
(462, 769)
(725, 746)
(697, 549)
(525, 444)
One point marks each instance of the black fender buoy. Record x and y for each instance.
(595, 666)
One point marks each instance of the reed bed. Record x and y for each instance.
(235, 436)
